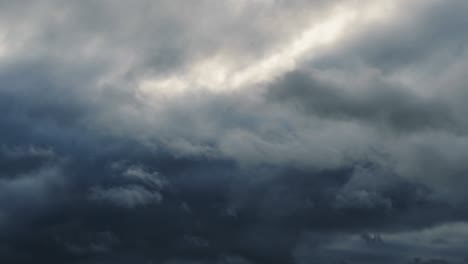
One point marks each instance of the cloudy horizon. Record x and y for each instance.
(233, 132)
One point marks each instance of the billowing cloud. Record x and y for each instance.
(233, 132)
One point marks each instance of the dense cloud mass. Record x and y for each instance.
(233, 132)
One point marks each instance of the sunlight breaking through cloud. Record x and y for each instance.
(219, 74)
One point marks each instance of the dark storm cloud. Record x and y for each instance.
(261, 220)
(360, 142)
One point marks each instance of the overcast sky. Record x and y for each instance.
(233, 131)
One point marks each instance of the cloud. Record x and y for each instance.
(432, 245)
(128, 197)
(374, 100)
(232, 131)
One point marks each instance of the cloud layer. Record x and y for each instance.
(233, 132)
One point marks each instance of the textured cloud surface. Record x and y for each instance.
(233, 132)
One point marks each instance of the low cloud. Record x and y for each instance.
(233, 132)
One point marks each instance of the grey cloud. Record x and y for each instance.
(366, 137)
(97, 243)
(422, 31)
(26, 195)
(138, 187)
(393, 248)
(362, 199)
(129, 196)
(380, 103)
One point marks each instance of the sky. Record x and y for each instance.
(233, 131)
